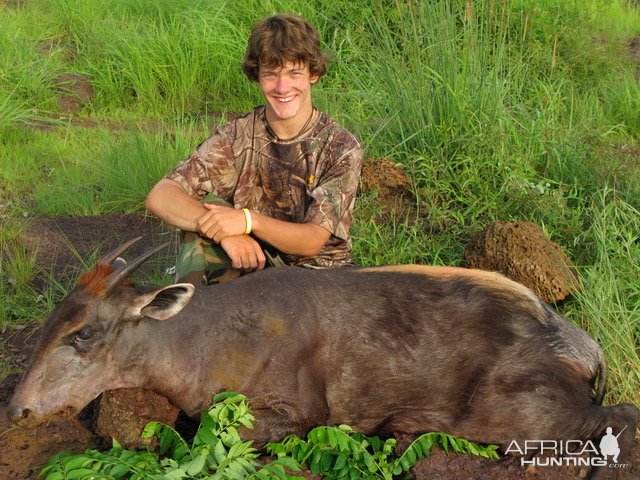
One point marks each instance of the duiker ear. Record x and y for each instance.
(162, 303)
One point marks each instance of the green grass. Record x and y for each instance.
(519, 110)
(130, 164)
(21, 302)
(609, 304)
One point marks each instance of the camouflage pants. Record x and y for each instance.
(201, 261)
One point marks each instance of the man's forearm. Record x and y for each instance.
(169, 202)
(303, 239)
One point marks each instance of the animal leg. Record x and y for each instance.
(276, 421)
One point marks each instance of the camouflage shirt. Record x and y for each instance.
(312, 178)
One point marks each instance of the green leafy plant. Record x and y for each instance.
(338, 452)
(218, 452)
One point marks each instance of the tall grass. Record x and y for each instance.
(13, 112)
(19, 300)
(26, 70)
(608, 306)
(125, 185)
(129, 165)
(189, 61)
(455, 96)
(161, 56)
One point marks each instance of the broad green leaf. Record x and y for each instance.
(219, 452)
(177, 474)
(119, 470)
(404, 463)
(246, 421)
(341, 461)
(75, 462)
(411, 456)
(227, 396)
(343, 441)
(369, 462)
(81, 473)
(325, 461)
(196, 465)
(354, 474)
(288, 462)
(332, 437)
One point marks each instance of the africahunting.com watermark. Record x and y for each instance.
(579, 453)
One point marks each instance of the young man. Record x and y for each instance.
(284, 176)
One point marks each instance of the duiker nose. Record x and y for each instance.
(15, 412)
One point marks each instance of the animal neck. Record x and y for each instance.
(169, 357)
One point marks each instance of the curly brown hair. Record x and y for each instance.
(284, 38)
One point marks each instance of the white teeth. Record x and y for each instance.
(285, 100)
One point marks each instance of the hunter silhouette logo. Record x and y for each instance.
(609, 445)
(548, 453)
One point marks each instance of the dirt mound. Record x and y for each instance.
(522, 252)
(23, 451)
(390, 182)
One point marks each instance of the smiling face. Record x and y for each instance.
(287, 93)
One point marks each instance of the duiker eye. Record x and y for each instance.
(84, 335)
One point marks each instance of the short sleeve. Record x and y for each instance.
(333, 196)
(209, 169)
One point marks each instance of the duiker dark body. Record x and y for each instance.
(386, 349)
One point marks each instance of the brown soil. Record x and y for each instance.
(23, 451)
(74, 91)
(64, 247)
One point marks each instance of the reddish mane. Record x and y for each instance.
(94, 279)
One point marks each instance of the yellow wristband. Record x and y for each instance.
(247, 218)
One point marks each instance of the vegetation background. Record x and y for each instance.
(496, 109)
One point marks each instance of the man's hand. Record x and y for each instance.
(245, 253)
(220, 222)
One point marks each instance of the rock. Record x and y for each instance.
(123, 414)
(521, 251)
